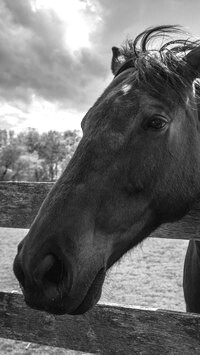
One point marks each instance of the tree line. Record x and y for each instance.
(34, 156)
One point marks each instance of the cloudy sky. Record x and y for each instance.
(55, 54)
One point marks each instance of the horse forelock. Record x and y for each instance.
(160, 62)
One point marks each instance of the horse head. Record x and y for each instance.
(137, 166)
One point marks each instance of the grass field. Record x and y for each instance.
(150, 275)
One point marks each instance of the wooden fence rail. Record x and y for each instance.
(103, 330)
(20, 202)
(107, 329)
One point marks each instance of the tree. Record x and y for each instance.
(11, 134)
(52, 151)
(9, 155)
(33, 156)
(28, 167)
(3, 138)
(30, 139)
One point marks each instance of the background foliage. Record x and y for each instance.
(31, 156)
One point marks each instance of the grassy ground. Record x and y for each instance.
(150, 275)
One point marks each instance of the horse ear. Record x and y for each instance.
(193, 61)
(117, 60)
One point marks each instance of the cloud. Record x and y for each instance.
(36, 61)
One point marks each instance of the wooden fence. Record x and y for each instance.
(107, 329)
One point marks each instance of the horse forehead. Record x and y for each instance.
(112, 119)
(126, 88)
(122, 104)
(120, 91)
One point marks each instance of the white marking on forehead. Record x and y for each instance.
(193, 88)
(126, 88)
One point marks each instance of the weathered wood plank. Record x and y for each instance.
(20, 202)
(104, 330)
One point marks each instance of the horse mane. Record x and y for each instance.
(143, 41)
(159, 60)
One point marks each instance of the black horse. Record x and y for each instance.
(136, 167)
(191, 277)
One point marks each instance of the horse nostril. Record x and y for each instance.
(56, 272)
(50, 271)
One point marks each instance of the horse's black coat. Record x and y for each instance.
(136, 167)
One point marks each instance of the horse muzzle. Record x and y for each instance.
(51, 285)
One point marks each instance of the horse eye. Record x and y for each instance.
(157, 123)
